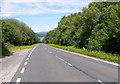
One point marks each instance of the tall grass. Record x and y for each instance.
(97, 54)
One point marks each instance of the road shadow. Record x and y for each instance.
(9, 54)
(5, 52)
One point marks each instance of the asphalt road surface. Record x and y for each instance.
(48, 64)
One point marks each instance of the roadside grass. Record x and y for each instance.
(10, 48)
(97, 54)
(21, 47)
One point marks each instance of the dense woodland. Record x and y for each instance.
(17, 33)
(95, 28)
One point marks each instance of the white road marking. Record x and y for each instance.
(23, 69)
(28, 55)
(100, 81)
(85, 56)
(32, 50)
(69, 64)
(64, 61)
(50, 52)
(25, 63)
(18, 80)
(27, 59)
(60, 58)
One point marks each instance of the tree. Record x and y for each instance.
(95, 28)
(17, 33)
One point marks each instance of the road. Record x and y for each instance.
(48, 64)
(10, 63)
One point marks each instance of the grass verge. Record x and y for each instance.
(97, 54)
(10, 48)
(21, 47)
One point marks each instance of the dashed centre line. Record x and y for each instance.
(69, 64)
(72, 66)
(64, 61)
(23, 69)
(50, 52)
(28, 55)
(27, 59)
(18, 80)
(25, 63)
(85, 56)
(101, 81)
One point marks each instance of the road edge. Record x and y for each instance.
(93, 58)
(13, 72)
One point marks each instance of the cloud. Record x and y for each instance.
(23, 1)
(18, 19)
(33, 7)
(45, 28)
(48, 27)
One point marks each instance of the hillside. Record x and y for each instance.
(41, 34)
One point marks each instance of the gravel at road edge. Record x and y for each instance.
(11, 63)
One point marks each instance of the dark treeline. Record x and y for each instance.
(95, 28)
(17, 33)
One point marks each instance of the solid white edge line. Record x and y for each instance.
(100, 60)
(23, 69)
(25, 63)
(18, 80)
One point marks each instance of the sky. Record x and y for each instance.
(41, 15)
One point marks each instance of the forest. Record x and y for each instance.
(16, 33)
(94, 28)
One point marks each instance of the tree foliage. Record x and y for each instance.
(95, 28)
(17, 33)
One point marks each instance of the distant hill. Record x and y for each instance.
(41, 34)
